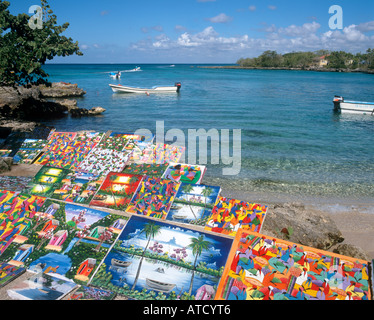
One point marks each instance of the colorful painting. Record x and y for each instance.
(9, 272)
(155, 260)
(14, 183)
(72, 153)
(229, 215)
(5, 153)
(161, 153)
(29, 150)
(16, 214)
(153, 197)
(193, 203)
(149, 169)
(66, 239)
(41, 286)
(57, 141)
(78, 187)
(102, 161)
(90, 293)
(186, 173)
(264, 268)
(116, 191)
(47, 180)
(120, 141)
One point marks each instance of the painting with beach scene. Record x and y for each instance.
(29, 150)
(156, 260)
(265, 268)
(66, 239)
(186, 173)
(153, 197)
(193, 203)
(230, 215)
(116, 191)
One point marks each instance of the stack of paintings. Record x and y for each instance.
(186, 173)
(46, 180)
(154, 197)
(14, 183)
(193, 203)
(29, 150)
(116, 191)
(156, 260)
(230, 215)
(265, 268)
(9, 272)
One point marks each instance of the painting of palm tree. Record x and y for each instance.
(151, 230)
(198, 245)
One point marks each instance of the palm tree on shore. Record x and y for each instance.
(198, 245)
(151, 230)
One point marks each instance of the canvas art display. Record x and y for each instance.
(29, 150)
(161, 153)
(120, 141)
(116, 191)
(16, 213)
(102, 161)
(57, 143)
(46, 180)
(66, 239)
(229, 215)
(78, 187)
(9, 272)
(156, 260)
(186, 173)
(153, 197)
(70, 154)
(42, 286)
(264, 268)
(148, 169)
(193, 203)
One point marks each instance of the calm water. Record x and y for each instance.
(292, 142)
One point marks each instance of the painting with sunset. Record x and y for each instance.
(46, 180)
(264, 268)
(116, 191)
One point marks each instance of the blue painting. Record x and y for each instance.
(157, 260)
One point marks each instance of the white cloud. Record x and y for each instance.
(271, 7)
(221, 18)
(252, 8)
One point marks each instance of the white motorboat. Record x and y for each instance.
(134, 70)
(356, 107)
(156, 89)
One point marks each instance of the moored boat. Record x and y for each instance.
(156, 89)
(120, 263)
(355, 107)
(159, 286)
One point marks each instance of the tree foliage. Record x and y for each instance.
(336, 60)
(24, 50)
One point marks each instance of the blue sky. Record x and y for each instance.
(206, 31)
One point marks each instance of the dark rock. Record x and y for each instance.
(302, 225)
(5, 164)
(79, 112)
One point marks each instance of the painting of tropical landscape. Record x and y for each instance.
(155, 260)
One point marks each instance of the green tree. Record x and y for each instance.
(24, 50)
(151, 230)
(198, 245)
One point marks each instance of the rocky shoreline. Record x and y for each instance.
(38, 102)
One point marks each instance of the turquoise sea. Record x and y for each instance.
(292, 143)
